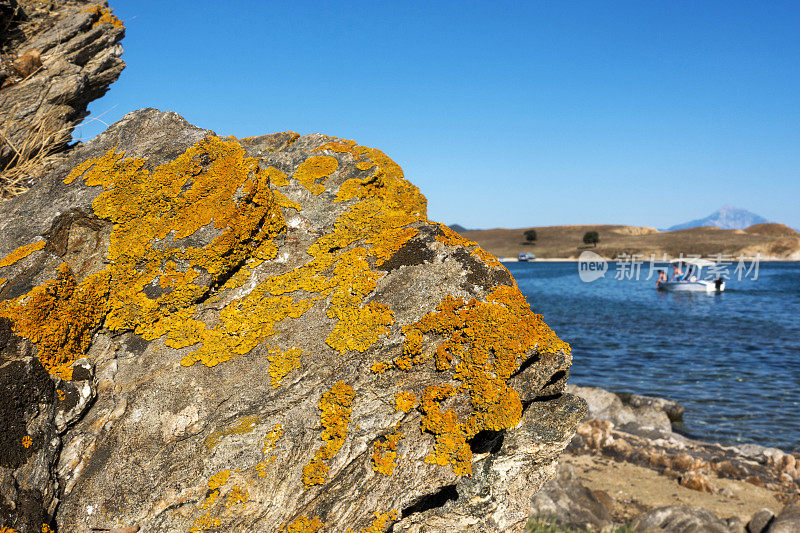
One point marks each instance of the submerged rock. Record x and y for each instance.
(211, 333)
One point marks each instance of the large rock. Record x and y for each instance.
(635, 413)
(57, 58)
(568, 502)
(680, 519)
(208, 333)
(788, 520)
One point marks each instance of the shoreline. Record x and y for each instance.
(627, 466)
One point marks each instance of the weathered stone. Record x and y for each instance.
(788, 520)
(760, 520)
(267, 332)
(640, 414)
(680, 519)
(67, 56)
(570, 504)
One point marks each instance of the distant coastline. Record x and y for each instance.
(769, 241)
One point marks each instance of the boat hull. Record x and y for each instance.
(692, 286)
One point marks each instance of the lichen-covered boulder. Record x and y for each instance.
(209, 334)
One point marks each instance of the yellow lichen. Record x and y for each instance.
(335, 405)
(59, 317)
(452, 238)
(313, 172)
(245, 425)
(405, 401)
(237, 495)
(385, 452)
(380, 522)
(46, 529)
(6, 529)
(205, 522)
(482, 344)
(105, 16)
(270, 441)
(27, 441)
(21, 253)
(281, 362)
(303, 524)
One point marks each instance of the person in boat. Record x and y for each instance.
(662, 277)
(676, 272)
(688, 275)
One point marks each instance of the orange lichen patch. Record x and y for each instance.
(106, 16)
(6, 529)
(385, 453)
(59, 317)
(270, 441)
(452, 238)
(245, 425)
(313, 172)
(46, 529)
(276, 177)
(483, 342)
(283, 201)
(21, 253)
(61, 394)
(237, 495)
(335, 405)
(405, 401)
(282, 362)
(303, 524)
(205, 522)
(380, 522)
(488, 258)
(213, 182)
(27, 441)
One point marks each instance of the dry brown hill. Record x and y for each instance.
(775, 241)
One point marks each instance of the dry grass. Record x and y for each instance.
(42, 139)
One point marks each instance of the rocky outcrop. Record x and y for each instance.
(565, 500)
(204, 333)
(681, 518)
(624, 433)
(55, 58)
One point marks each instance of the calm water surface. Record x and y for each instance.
(732, 359)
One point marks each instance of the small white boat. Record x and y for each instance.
(526, 257)
(690, 281)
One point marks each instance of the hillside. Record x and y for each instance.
(775, 241)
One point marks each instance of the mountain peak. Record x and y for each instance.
(726, 217)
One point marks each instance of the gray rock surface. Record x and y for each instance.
(759, 521)
(246, 335)
(788, 520)
(80, 58)
(570, 504)
(680, 519)
(641, 413)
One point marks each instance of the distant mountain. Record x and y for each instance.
(458, 228)
(726, 218)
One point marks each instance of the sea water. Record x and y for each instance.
(732, 359)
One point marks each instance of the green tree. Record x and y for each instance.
(591, 237)
(530, 235)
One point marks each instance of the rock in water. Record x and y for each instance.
(245, 335)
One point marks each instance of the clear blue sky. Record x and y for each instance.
(505, 114)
